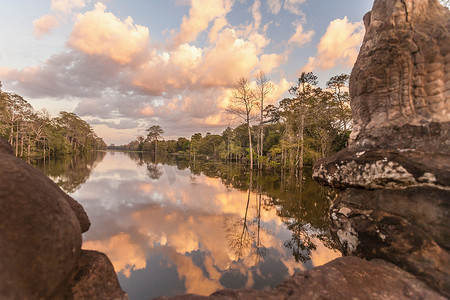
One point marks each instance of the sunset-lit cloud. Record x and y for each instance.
(61, 9)
(339, 45)
(101, 33)
(195, 280)
(44, 25)
(201, 13)
(184, 229)
(300, 38)
(123, 253)
(117, 68)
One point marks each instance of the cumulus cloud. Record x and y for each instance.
(219, 24)
(201, 13)
(112, 71)
(231, 58)
(60, 8)
(44, 25)
(338, 46)
(269, 62)
(300, 38)
(101, 33)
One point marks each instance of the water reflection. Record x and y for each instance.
(172, 227)
(70, 172)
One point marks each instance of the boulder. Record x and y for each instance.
(40, 240)
(396, 171)
(343, 278)
(95, 278)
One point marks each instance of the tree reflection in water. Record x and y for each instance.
(300, 203)
(70, 171)
(154, 170)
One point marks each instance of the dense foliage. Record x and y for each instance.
(33, 133)
(314, 123)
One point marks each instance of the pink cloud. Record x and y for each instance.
(44, 25)
(100, 33)
(201, 13)
(269, 62)
(300, 38)
(60, 8)
(338, 46)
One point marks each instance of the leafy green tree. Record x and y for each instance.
(264, 88)
(154, 133)
(195, 143)
(183, 144)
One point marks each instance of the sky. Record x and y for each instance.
(123, 66)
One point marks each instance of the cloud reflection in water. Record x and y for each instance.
(168, 232)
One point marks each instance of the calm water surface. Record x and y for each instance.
(172, 227)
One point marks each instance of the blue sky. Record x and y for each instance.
(126, 65)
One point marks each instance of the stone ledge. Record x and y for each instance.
(343, 278)
(391, 169)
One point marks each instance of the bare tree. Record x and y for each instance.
(241, 106)
(264, 87)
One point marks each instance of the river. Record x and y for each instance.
(172, 226)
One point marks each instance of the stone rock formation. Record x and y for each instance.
(40, 240)
(396, 170)
(343, 278)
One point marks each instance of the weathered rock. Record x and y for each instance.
(95, 279)
(366, 223)
(40, 240)
(400, 84)
(343, 278)
(397, 167)
(384, 168)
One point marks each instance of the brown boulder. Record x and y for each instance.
(40, 240)
(95, 278)
(343, 278)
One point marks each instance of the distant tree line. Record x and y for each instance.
(33, 133)
(313, 123)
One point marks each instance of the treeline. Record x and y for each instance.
(33, 133)
(314, 123)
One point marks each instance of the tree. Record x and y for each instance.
(241, 106)
(195, 142)
(304, 93)
(339, 85)
(154, 133)
(264, 87)
(140, 140)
